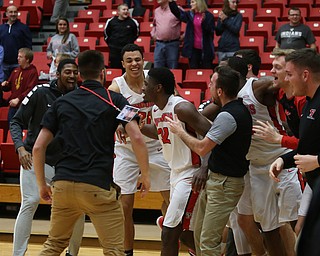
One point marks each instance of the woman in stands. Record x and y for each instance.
(198, 40)
(62, 42)
(228, 27)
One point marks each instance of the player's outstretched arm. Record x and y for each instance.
(140, 149)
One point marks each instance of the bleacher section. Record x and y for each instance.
(261, 20)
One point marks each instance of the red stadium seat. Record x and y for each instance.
(47, 7)
(145, 28)
(281, 4)
(302, 3)
(148, 56)
(215, 12)
(23, 16)
(102, 46)
(247, 14)
(108, 14)
(271, 43)
(35, 8)
(259, 29)
(177, 76)
(268, 14)
(190, 94)
(4, 121)
(7, 3)
(144, 43)
(96, 29)
(278, 24)
(266, 60)
(100, 4)
(254, 4)
(87, 16)
(197, 78)
(252, 42)
(112, 73)
(314, 14)
(78, 28)
(87, 43)
(314, 26)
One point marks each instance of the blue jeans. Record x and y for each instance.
(7, 69)
(166, 54)
(223, 55)
(137, 3)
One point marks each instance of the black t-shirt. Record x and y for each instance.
(85, 125)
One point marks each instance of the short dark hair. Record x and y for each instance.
(91, 62)
(305, 58)
(294, 8)
(65, 62)
(252, 57)
(165, 77)
(228, 80)
(238, 64)
(131, 48)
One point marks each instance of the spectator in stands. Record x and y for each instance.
(253, 60)
(228, 27)
(87, 130)
(137, 3)
(166, 33)
(294, 35)
(29, 116)
(59, 10)
(21, 80)
(14, 35)
(119, 31)
(198, 40)
(62, 42)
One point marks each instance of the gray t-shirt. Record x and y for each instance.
(222, 127)
(297, 37)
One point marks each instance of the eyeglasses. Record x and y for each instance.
(294, 15)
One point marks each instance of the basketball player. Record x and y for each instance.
(126, 169)
(159, 88)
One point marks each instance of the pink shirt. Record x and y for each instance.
(197, 30)
(166, 26)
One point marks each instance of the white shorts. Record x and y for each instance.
(180, 195)
(305, 201)
(274, 203)
(126, 169)
(244, 205)
(240, 240)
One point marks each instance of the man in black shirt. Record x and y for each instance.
(303, 74)
(29, 116)
(120, 31)
(84, 122)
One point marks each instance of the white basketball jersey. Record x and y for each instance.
(136, 100)
(261, 152)
(175, 151)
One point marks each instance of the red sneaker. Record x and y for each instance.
(159, 222)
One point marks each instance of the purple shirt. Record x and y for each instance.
(197, 30)
(166, 26)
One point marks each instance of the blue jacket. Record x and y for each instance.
(229, 30)
(207, 32)
(12, 38)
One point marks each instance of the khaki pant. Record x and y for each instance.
(215, 204)
(70, 201)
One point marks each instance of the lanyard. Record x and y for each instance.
(99, 96)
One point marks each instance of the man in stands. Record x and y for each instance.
(14, 35)
(294, 35)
